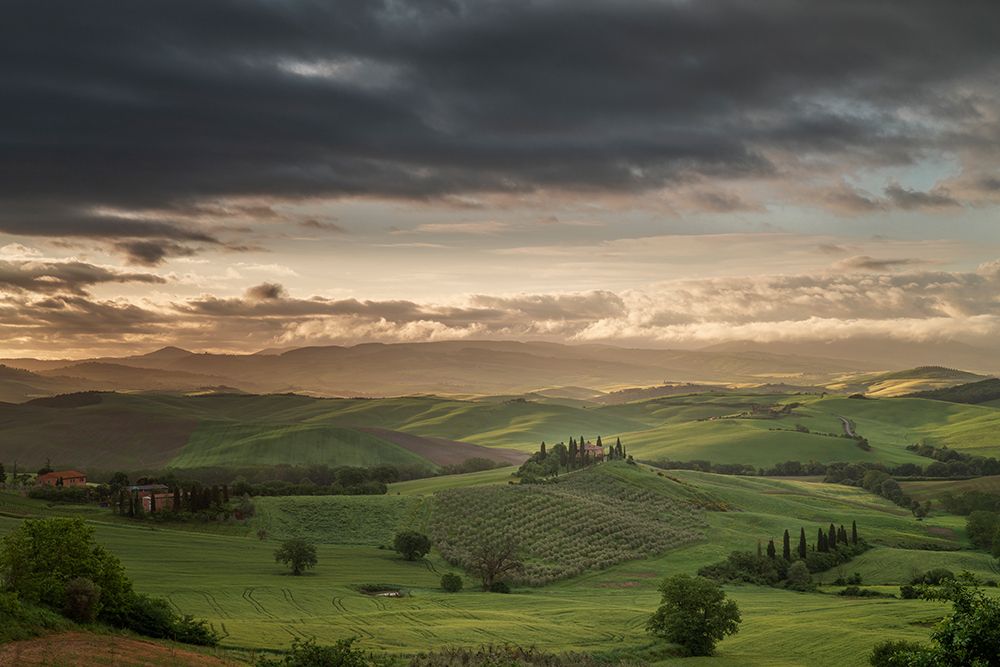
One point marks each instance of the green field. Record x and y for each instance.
(230, 578)
(134, 431)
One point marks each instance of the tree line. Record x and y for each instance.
(794, 564)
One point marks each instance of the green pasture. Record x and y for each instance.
(232, 580)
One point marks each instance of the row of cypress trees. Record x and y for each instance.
(826, 540)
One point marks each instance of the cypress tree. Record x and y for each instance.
(225, 487)
(572, 453)
(832, 537)
(618, 448)
(177, 499)
(842, 534)
(802, 542)
(760, 554)
(820, 540)
(131, 505)
(786, 547)
(854, 532)
(771, 553)
(152, 502)
(598, 443)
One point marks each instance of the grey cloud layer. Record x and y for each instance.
(160, 105)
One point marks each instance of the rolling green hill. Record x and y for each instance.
(982, 392)
(231, 579)
(154, 430)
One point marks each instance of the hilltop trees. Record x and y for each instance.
(298, 554)
(694, 613)
(786, 547)
(549, 462)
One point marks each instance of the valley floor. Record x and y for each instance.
(232, 580)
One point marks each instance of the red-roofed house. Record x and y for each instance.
(62, 478)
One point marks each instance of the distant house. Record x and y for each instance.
(154, 497)
(594, 452)
(62, 478)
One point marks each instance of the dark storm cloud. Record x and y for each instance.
(51, 277)
(907, 198)
(162, 105)
(151, 253)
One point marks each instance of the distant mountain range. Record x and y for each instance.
(467, 368)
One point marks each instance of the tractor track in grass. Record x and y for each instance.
(338, 604)
(296, 633)
(248, 596)
(452, 608)
(379, 603)
(210, 600)
(290, 599)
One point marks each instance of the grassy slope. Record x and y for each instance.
(131, 431)
(234, 581)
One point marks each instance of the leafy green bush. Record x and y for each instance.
(499, 587)
(56, 563)
(342, 654)
(858, 592)
(798, 578)
(908, 592)
(892, 653)
(933, 577)
(747, 567)
(81, 600)
(412, 545)
(451, 582)
(42, 555)
(506, 656)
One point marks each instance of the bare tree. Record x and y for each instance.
(493, 558)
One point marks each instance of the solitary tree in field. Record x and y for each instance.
(694, 613)
(786, 546)
(854, 532)
(493, 558)
(412, 545)
(296, 553)
(802, 542)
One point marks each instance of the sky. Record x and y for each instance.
(245, 174)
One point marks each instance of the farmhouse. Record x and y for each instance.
(62, 478)
(594, 452)
(154, 497)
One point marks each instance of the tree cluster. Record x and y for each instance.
(833, 546)
(57, 564)
(548, 462)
